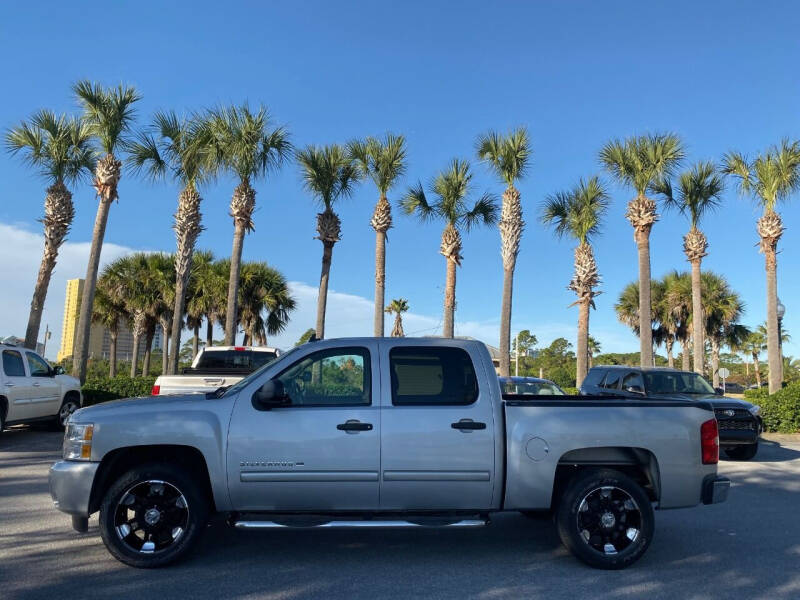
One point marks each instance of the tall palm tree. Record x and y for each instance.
(176, 147)
(508, 156)
(110, 314)
(664, 329)
(265, 302)
(699, 192)
(722, 308)
(397, 307)
(755, 344)
(384, 162)
(451, 189)
(109, 113)
(245, 143)
(770, 178)
(329, 174)
(640, 162)
(162, 267)
(594, 348)
(59, 148)
(578, 213)
(677, 311)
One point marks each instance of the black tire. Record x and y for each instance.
(2, 415)
(138, 546)
(617, 511)
(742, 452)
(71, 403)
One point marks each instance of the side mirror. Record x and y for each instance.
(718, 391)
(634, 389)
(58, 370)
(271, 395)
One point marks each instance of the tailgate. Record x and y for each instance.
(186, 384)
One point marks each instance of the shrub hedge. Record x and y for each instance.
(102, 389)
(781, 410)
(756, 394)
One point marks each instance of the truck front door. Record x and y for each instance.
(437, 442)
(319, 452)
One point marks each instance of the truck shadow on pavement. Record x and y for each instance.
(745, 548)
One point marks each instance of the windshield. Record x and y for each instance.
(234, 389)
(530, 388)
(675, 382)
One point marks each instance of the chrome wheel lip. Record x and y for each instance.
(148, 545)
(608, 519)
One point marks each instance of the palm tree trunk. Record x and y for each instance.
(81, 351)
(685, 356)
(698, 320)
(448, 328)
(196, 340)
(40, 293)
(233, 283)
(757, 370)
(187, 228)
(715, 362)
(380, 282)
(773, 342)
(165, 332)
(670, 359)
(322, 298)
(135, 355)
(505, 320)
(582, 347)
(148, 351)
(246, 340)
(645, 323)
(112, 358)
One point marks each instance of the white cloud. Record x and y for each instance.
(19, 267)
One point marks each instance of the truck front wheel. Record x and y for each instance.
(605, 519)
(152, 515)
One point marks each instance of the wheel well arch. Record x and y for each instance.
(3, 406)
(71, 394)
(117, 462)
(639, 464)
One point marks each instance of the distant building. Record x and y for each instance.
(99, 336)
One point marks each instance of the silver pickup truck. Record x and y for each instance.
(383, 432)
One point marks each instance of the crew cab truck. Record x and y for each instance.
(213, 368)
(382, 432)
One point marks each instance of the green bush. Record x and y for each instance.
(570, 391)
(756, 394)
(102, 389)
(781, 410)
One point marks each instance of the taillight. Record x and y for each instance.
(709, 442)
(238, 348)
(155, 391)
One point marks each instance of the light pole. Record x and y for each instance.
(47, 334)
(781, 311)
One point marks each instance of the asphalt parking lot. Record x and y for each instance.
(748, 547)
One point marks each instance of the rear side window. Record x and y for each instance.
(432, 376)
(594, 377)
(612, 379)
(12, 364)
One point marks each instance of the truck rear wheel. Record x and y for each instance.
(605, 519)
(152, 515)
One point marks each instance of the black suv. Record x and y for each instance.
(739, 421)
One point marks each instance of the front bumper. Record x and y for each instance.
(71, 486)
(715, 489)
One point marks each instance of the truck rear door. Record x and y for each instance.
(437, 441)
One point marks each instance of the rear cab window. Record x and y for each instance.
(438, 376)
(245, 360)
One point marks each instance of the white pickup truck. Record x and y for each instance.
(33, 391)
(215, 367)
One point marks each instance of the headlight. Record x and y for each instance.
(78, 441)
(755, 410)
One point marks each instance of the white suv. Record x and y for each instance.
(31, 390)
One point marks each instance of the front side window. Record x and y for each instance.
(432, 376)
(12, 364)
(336, 377)
(612, 380)
(38, 366)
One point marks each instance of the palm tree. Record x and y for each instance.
(265, 302)
(109, 313)
(699, 191)
(108, 113)
(162, 267)
(770, 178)
(755, 344)
(676, 311)
(593, 346)
(722, 308)
(578, 213)
(640, 162)
(246, 144)
(397, 307)
(59, 148)
(176, 147)
(383, 161)
(508, 156)
(206, 297)
(451, 189)
(330, 174)
(664, 328)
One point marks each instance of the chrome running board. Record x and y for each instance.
(359, 524)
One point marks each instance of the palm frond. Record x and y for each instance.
(415, 202)
(145, 157)
(484, 212)
(328, 172)
(109, 111)
(508, 155)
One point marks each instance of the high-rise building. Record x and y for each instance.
(99, 336)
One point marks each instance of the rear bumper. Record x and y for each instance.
(71, 486)
(715, 489)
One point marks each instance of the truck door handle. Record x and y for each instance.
(354, 425)
(36, 384)
(467, 425)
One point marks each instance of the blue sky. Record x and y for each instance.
(723, 75)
